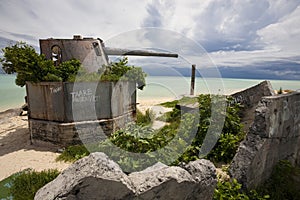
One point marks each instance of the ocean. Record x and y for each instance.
(12, 96)
(175, 87)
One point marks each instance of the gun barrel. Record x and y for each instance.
(128, 52)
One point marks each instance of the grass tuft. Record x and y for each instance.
(73, 153)
(26, 184)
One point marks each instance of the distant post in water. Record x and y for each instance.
(193, 80)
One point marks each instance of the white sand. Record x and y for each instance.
(16, 152)
(143, 105)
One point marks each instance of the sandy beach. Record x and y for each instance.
(16, 152)
(145, 104)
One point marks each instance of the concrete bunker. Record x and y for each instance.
(66, 113)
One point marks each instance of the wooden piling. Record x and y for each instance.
(192, 92)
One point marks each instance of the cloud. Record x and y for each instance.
(65, 18)
(283, 35)
(159, 13)
(239, 34)
(235, 34)
(218, 24)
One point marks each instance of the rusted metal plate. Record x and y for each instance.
(46, 101)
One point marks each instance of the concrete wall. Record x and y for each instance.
(82, 101)
(66, 113)
(251, 96)
(273, 136)
(249, 99)
(65, 134)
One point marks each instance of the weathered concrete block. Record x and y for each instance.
(97, 177)
(196, 180)
(204, 173)
(93, 177)
(273, 136)
(250, 98)
(162, 183)
(65, 134)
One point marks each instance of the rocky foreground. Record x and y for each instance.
(98, 177)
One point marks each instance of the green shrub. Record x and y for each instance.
(5, 185)
(30, 66)
(231, 135)
(115, 71)
(232, 190)
(25, 185)
(33, 67)
(225, 149)
(144, 119)
(284, 182)
(142, 139)
(174, 137)
(73, 153)
(120, 70)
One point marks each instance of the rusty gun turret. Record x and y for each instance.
(91, 52)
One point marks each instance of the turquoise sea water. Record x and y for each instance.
(160, 86)
(11, 95)
(157, 87)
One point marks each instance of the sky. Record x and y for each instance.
(241, 38)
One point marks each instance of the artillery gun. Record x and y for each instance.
(91, 52)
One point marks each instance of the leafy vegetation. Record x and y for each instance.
(144, 119)
(73, 153)
(229, 139)
(30, 66)
(175, 140)
(232, 190)
(5, 185)
(26, 184)
(122, 71)
(115, 71)
(141, 146)
(284, 182)
(33, 67)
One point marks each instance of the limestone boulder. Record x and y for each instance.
(98, 177)
(93, 177)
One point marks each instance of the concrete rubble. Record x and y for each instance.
(98, 177)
